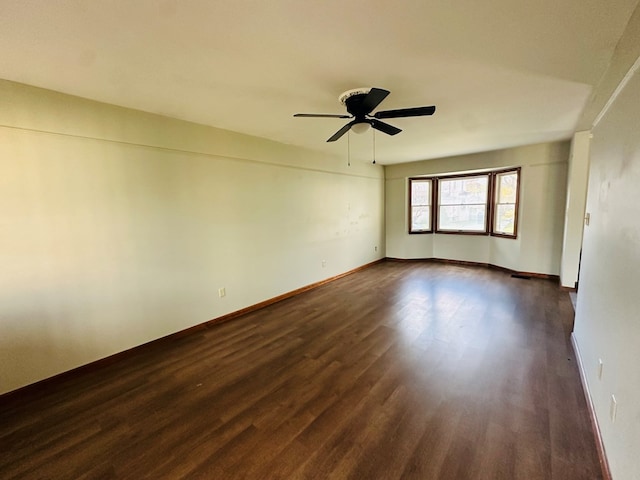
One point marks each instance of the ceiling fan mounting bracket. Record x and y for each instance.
(353, 101)
(344, 96)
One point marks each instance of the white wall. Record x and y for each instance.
(574, 212)
(538, 248)
(607, 324)
(118, 227)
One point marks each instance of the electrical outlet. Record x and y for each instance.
(375, 249)
(222, 292)
(324, 263)
(600, 367)
(613, 409)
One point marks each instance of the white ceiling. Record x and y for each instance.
(501, 72)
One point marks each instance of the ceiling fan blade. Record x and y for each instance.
(384, 127)
(406, 112)
(341, 132)
(321, 115)
(373, 99)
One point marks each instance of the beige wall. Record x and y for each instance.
(607, 324)
(538, 248)
(118, 227)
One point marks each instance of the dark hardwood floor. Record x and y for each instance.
(403, 370)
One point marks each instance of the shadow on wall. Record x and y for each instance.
(32, 358)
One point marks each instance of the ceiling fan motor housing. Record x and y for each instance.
(352, 100)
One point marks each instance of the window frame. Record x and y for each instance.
(491, 204)
(495, 175)
(431, 182)
(462, 176)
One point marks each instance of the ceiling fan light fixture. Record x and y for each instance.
(360, 128)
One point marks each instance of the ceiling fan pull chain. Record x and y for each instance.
(374, 146)
(348, 148)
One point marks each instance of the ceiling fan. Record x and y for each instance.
(360, 102)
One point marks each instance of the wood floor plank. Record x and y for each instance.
(399, 371)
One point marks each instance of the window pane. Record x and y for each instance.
(507, 187)
(506, 208)
(420, 218)
(420, 192)
(463, 203)
(505, 216)
(464, 191)
(420, 207)
(462, 217)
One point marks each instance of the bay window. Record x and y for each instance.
(479, 203)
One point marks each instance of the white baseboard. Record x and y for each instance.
(602, 455)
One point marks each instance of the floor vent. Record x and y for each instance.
(523, 277)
